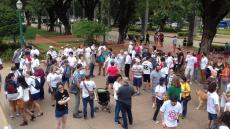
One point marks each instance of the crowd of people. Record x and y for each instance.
(140, 68)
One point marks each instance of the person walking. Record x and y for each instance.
(125, 93)
(61, 111)
(92, 65)
(137, 71)
(170, 112)
(203, 66)
(185, 97)
(87, 87)
(128, 62)
(160, 93)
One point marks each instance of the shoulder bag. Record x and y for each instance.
(91, 93)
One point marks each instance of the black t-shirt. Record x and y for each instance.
(180, 55)
(61, 96)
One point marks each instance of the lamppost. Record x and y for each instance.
(19, 7)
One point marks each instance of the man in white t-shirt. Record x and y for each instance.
(203, 66)
(213, 106)
(72, 60)
(87, 86)
(170, 112)
(189, 70)
(34, 51)
(87, 55)
(147, 68)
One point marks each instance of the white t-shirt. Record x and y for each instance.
(223, 127)
(213, 100)
(227, 107)
(164, 71)
(130, 49)
(53, 79)
(204, 62)
(128, 59)
(35, 63)
(120, 59)
(23, 94)
(137, 71)
(90, 85)
(34, 52)
(83, 63)
(161, 90)
(169, 62)
(31, 82)
(171, 113)
(116, 86)
(147, 67)
(87, 52)
(72, 61)
(191, 60)
(80, 51)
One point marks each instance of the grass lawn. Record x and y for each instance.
(31, 32)
(223, 31)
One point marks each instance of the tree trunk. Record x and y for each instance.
(191, 29)
(28, 18)
(142, 25)
(52, 19)
(146, 17)
(39, 21)
(209, 31)
(162, 24)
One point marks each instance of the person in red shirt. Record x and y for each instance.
(196, 65)
(39, 72)
(112, 73)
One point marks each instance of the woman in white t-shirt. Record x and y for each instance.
(116, 86)
(87, 87)
(170, 112)
(23, 100)
(160, 92)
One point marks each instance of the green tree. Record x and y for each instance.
(9, 26)
(89, 7)
(212, 11)
(89, 29)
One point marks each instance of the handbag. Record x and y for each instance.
(91, 93)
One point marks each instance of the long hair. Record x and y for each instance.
(22, 82)
(176, 81)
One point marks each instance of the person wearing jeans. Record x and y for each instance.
(116, 86)
(92, 65)
(125, 94)
(185, 90)
(87, 86)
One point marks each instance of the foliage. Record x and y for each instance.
(182, 34)
(217, 48)
(89, 29)
(32, 32)
(9, 22)
(7, 50)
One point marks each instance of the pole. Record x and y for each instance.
(21, 40)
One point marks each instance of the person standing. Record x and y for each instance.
(213, 106)
(137, 71)
(174, 43)
(92, 65)
(117, 84)
(203, 66)
(147, 38)
(160, 93)
(87, 87)
(154, 81)
(101, 60)
(175, 88)
(170, 112)
(39, 72)
(180, 56)
(75, 89)
(225, 74)
(147, 68)
(130, 48)
(197, 66)
(16, 57)
(185, 90)
(128, 62)
(66, 73)
(125, 93)
(189, 70)
(61, 111)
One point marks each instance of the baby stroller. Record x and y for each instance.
(103, 99)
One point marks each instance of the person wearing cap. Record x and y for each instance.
(128, 62)
(137, 71)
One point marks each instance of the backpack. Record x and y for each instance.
(37, 84)
(11, 88)
(67, 72)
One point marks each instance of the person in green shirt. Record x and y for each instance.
(174, 89)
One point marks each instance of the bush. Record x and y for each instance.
(217, 48)
(182, 34)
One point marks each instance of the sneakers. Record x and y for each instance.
(32, 118)
(24, 123)
(156, 122)
(77, 116)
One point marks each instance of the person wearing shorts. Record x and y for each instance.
(61, 110)
(147, 67)
(137, 71)
(113, 73)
